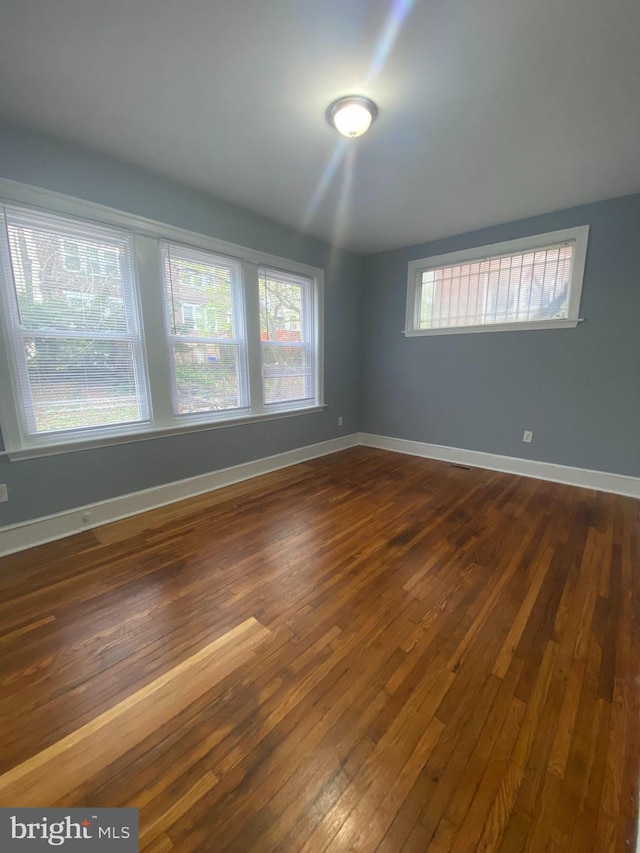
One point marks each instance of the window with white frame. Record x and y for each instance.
(77, 363)
(533, 283)
(208, 358)
(111, 328)
(287, 331)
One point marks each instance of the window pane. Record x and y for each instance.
(81, 382)
(200, 294)
(287, 332)
(287, 372)
(281, 309)
(61, 281)
(516, 288)
(207, 377)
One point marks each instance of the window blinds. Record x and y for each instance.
(205, 326)
(521, 287)
(75, 324)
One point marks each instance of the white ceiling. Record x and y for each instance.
(490, 110)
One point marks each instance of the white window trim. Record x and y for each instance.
(310, 343)
(249, 403)
(579, 236)
(147, 233)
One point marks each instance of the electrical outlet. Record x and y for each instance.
(528, 436)
(86, 517)
(340, 421)
(4, 493)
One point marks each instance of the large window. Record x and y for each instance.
(113, 328)
(523, 284)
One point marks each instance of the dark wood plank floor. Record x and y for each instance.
(363, 652)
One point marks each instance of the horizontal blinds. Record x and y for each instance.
(111, 332)
(76, 330)
(287, 327)
(205, 325)
(522, 287)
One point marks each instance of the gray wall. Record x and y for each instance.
(577, 389)
(51, 484)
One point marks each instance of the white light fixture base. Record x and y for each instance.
(352, 116)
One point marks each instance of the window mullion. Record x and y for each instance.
(310, 325)
(147, 255)
(15, 393)
(254, 345)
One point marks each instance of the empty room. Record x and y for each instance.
(320, 426)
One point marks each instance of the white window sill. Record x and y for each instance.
(495, 327)
(144, 434)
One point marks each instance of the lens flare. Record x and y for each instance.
(328, 173)
(395, 20)
(390, 32)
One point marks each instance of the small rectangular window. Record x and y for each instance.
(205, 326)
(77, 362)
(287, 330)
(522, 284)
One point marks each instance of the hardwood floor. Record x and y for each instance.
(367, 651)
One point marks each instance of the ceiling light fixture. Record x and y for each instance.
(352, 116)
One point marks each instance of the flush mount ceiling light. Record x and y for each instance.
(352, 116)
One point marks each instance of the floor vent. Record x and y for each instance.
(463, 467)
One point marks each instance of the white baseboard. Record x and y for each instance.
(17, 537)
(601, 481)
